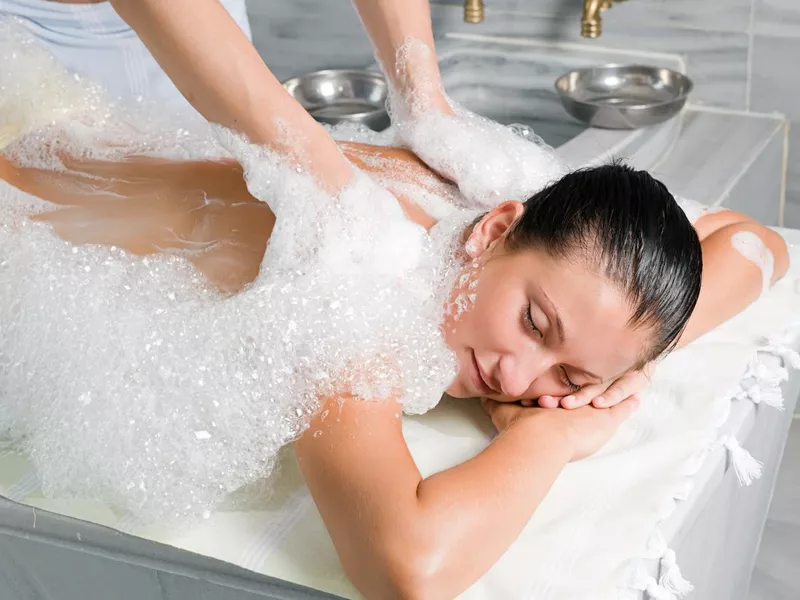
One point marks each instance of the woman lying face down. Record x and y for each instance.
(564, 295)
(585, 281)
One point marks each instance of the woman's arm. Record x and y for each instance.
(217, 69)
(401, 536)
(730, 281)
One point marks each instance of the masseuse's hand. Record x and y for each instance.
(600, 395)
(489, 163)
(584, 430)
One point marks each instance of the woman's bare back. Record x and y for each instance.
(147, 205)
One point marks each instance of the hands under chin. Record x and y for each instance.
(601, 395)
(583, 430)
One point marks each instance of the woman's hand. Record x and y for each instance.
(600, 395)
(585, 430)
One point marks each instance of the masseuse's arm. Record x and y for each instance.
(217, 69)
(390, 24)
(731, 282)
(401, 536)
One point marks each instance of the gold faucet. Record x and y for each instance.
(473, 11)
(591, 25)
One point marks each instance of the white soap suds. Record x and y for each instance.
(752, 248)
(130, 380)
(492, 163)
(694, 210)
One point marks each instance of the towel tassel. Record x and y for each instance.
(771, 395)
(643, 581)
(789, 355)
(671, 579)
(747, 468)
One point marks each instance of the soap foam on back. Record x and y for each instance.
(128, 380)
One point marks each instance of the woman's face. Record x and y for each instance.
(536, 325)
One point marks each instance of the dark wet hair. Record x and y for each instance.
(627, 223)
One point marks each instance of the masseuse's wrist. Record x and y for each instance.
(306, 144)
(418, 103)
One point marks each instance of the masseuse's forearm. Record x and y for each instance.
(390, 24)
(731, 282)
(217, 69)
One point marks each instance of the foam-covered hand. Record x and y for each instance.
(489, 162)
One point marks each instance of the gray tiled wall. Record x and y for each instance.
(775, 81)
(742, 54)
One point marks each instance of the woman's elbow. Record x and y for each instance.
(409, 571)
(417, 578)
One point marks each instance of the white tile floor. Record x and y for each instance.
(777, 572)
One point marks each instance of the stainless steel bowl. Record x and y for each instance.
(623, 96)
(336, 95)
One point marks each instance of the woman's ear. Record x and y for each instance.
(492, 227)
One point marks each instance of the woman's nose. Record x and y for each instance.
(517, 372)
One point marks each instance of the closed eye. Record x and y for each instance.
(573, 387)
(529, 321)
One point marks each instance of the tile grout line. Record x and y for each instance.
(725, 110)
(784, 171)
(750, 45)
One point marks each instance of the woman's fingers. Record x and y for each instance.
(627, 385)
(545, 402)
(582, 397)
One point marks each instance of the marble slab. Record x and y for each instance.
(776, 87)
(777, 17)
(791, 212)
(724, 159)
(705, 15)
(717, 60)
(776, 75)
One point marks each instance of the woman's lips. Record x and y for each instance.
(477, 377)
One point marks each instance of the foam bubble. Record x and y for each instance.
(752, 248)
